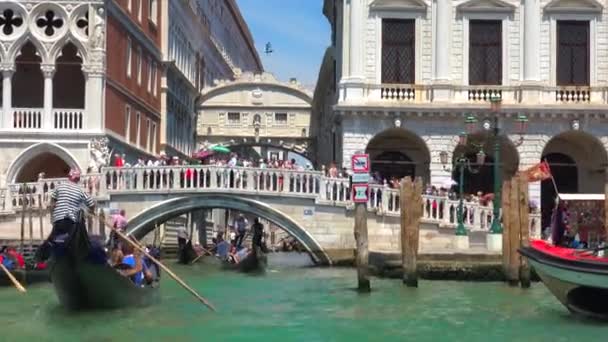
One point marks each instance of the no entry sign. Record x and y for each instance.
(360, 193)
(360, 163)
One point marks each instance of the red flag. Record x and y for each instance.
(538, 172)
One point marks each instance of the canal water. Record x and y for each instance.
(304, 304)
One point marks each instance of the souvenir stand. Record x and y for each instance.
(585, 216)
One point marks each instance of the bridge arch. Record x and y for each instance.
(144, 222)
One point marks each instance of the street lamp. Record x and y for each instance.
(463, 163)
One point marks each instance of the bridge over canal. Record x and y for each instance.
(315, 209)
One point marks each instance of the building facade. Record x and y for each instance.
(203, 41)
(53, 72)
(255, 111)
(402, 77)
(134, 68)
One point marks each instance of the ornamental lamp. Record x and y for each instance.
(470, 123)
(462, 139)
(443, 157)
(522, 124)
(481, 157)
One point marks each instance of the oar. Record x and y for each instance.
(165, 268)
(19, 287)
(200, 256)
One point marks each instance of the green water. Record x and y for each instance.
(304, 305)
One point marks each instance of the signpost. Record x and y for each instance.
(360, 195)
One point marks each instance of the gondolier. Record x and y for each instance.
(67, 201)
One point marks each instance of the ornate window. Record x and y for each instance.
(234, 118)
(398, 51)
(572, 53)
(10, 21)
(49, 23)
(280, 118)
(485, 52)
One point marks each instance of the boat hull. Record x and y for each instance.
(81, 283)
(581, 286)
(255, 261)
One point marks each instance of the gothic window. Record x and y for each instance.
(83, 23)
(572, 53)
(398, 51)
(485, 52)
(49, 22)
(9, 21)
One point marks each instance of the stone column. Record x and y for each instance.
(443, 29)
(531, 87)
(531, 40)
(94, 94)
(442, 40)
(48, 70)
(356, 39)
(7, 96)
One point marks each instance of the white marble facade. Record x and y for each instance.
(426, 117)
(52, 57)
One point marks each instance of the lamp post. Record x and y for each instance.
(463, 163)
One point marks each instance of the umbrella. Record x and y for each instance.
(220, 149)
(202, 154)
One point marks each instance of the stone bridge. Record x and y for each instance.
(315, 209)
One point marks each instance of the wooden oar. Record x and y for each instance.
(200, 256)
(19, 287)
(165, 268)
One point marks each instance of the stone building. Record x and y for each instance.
(53, 73)
(203, 40)
(255, 111)
(401, 77)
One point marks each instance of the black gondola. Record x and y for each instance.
(255, 261)
(84, 280)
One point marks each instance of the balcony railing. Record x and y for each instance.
(34, 119)
(398, 92)
(573, 94)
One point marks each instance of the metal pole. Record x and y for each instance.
(496, 227)
(460, 229)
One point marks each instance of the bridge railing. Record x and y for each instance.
(383, 200)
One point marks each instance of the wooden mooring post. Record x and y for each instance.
(362, 253)
(516, 230)
(23, 212)
(41, 216)
(410, 203)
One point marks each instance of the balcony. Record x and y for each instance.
(35, 119)
(402, 94)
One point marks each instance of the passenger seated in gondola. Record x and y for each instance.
(11, 253)
(7, 260)
(222, 247)
(131, 265)
(237, 256)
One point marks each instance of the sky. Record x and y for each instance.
(298, 32)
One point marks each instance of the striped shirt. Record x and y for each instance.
(69, 199)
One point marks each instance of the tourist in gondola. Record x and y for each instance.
(133, 259)
(222, 247)
(7, 260)
(67, 201)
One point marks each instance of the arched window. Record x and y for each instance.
(68, 82)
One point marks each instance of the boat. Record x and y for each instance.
(577, 278)
(186, 254)
(83, 279)
(25, 277)
(255, 261)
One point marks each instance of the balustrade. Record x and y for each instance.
(398, 92)
(27, 118)
(68, 119)
(383, 200)
(573, 94)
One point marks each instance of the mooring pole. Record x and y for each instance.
(524, 235)
(362, 247)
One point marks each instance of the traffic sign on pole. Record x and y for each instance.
(360, 193)
(360, 163)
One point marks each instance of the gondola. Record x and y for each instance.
(577, 278)
(255, 261)
(186, 254)
(84, 280)
(25, 277)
